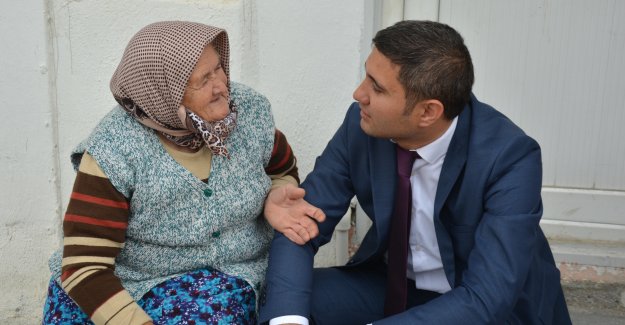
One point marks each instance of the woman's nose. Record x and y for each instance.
(220, 86)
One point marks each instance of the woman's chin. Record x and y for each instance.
(215, 113)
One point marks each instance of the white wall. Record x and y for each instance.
(56, 59)
(556, 68)
(308, 67)
(28, 191)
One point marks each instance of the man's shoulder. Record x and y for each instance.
(488, 122)
(490, 132)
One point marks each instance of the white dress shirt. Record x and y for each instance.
(291, 319)
(424, 258)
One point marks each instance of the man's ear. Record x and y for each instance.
(431, 110)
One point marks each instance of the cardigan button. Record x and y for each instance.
(216, 234)
(208, 192)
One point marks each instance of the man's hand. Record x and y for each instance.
(288, 212)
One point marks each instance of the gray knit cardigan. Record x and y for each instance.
(178, 223)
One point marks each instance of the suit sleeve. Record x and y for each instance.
(505, 242)
(289, 276)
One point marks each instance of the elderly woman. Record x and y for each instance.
(165, 222)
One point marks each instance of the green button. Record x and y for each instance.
(208, 192)
(216, 234)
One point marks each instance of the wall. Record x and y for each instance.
(28, 192)
(308, 66)
(56, 59)
(556, 69)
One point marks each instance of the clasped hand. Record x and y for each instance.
(288, 212)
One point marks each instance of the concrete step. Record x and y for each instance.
(597, 253)
(590, 302)
(593, 279)
(583, 317)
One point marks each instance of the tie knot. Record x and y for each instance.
(405, 159)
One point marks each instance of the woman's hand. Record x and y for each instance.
(288, 212)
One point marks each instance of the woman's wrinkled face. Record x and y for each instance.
(207, 92)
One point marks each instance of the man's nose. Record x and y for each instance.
(360, 95)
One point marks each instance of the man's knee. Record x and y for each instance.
(346, 296)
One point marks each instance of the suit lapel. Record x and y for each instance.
(453, 165)
(455, 159)
(382, 160)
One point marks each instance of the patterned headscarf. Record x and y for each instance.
(151, 78)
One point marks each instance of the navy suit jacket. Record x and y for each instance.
(486, 215)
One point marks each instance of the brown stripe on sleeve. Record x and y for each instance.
(82, 208)
(76, 250)
(104, 216)
(98, 190)
(282, 161)
(79, 267)
(96, 289)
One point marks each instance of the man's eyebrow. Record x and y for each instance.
(375, 82)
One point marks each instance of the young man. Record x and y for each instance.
(455, 237)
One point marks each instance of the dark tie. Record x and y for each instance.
(395, 301)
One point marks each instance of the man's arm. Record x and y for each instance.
(289, 279)
(289, 276)
(505, 243)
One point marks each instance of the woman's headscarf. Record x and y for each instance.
(151, 78)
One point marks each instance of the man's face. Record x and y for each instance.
(382, 101)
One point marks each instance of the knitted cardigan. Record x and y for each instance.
(178, 223)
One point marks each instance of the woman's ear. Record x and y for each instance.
(430, 111)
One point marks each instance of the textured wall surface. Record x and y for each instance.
(28, 181)
(309, 64)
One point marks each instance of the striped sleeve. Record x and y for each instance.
(94, 229)
(282, 166)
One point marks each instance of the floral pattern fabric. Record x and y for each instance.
(199, 297)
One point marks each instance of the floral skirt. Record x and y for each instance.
(199, 297)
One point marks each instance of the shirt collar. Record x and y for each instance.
(438, 148)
